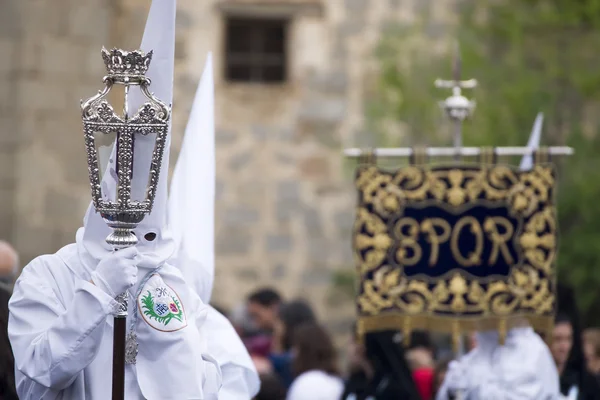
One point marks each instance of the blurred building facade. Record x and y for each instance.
(291, 77)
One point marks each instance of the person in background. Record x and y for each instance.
(241, 321)
(420, 356)
(562, 343)
(9, 266)
(439, 374)
(379, 370)
(575, 383)
(471, 341)
(591, 350)
(521, 369)
(263, 365)
(271, 388)
(262, 307)
(420, 352)
(314, 365)
(360, 370)
(257, 342)
(290, 316)
(573, 372)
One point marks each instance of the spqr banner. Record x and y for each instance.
(454, 249)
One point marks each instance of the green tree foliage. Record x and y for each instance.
(528, 56)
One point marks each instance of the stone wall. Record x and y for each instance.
(284, 200)
(51, 66)
(9, 34)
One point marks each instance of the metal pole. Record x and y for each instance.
(457, 138)
(120, 318)
(451, 151)
(118, 373)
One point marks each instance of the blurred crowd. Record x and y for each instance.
(297, 360)
(296, 357)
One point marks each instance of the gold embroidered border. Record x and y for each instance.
(416, 303)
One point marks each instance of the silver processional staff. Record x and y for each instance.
(119, 210)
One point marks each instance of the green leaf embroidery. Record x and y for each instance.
(148, 307)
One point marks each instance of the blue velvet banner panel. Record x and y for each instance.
(455, 248)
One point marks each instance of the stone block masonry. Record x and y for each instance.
(51, 66)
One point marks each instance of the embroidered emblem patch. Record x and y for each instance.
(160, 306)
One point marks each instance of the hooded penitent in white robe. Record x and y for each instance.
(521, 369)
(191, 219)
(61, 325)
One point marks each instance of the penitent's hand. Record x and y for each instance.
(117, 272)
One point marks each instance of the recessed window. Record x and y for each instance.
(256, 50)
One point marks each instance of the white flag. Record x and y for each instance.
(192, 197)
(534, 142)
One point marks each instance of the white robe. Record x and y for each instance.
(60, 327)
(522, 369)
(240, 380)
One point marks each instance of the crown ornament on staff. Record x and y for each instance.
(122, 213)
(126, 66)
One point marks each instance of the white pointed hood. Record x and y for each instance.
(192, 198)
(159, 37)
(533, 143)
(191, 219)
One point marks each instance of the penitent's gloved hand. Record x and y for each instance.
(117, 272)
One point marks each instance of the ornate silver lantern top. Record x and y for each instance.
(121, 212)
